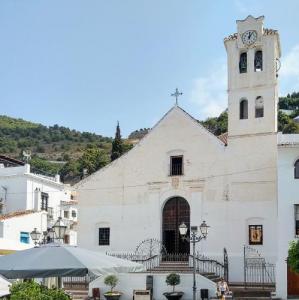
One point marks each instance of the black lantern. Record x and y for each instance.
(59, 229)
(204, 229)
(183, 229)
(35, 235)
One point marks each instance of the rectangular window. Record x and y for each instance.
(45, 200)
(255, 234)
(50, 212)
(297, 220)
(24, 237)
(74, 214)
(176, 165)
(66, 214)
(104, 236)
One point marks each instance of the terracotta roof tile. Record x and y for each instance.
(16, 214)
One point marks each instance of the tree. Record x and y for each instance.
(293, 256)
(92, 160)
(111, 280)
(173, 279)
(117, 144)
(292, 127)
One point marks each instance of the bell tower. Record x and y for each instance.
(253, 60)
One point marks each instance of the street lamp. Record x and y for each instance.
(35, 236)
(194, 238)
(59, 229)
(51, 234)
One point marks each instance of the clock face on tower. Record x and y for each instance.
(249, 37)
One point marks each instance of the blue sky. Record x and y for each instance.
(86, 64)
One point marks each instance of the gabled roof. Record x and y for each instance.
(217, 140)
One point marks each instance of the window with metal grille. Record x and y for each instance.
(104, 236)
(44, 202)
(176, 165)
(296, 169)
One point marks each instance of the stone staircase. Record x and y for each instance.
(252, 293)
(77, 293)
(181, 267)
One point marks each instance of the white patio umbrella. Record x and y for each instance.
(4, 287)
(55, 260)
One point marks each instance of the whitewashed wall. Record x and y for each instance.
(137, 281)
(11, 228)
(229, 187)
(288, 196)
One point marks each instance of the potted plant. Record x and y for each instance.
(112, 280)
(173, 279)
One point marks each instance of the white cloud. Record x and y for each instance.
(209, 92)
(289, 73)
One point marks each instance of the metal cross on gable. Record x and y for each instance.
(176, 94)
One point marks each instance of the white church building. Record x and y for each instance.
(181, 173)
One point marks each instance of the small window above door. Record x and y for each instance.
(176, 165)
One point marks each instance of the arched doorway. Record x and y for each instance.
(175, 212)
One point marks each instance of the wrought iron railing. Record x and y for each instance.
(257, 272)
(148, 262)
(77, 281)
(175, 257)
(205, 265)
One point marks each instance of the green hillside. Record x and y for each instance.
(57, 149)
(288, 109)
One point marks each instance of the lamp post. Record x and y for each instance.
(59, 229)
(35, 236)
(57, 232)
(194, 238)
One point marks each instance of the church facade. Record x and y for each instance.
(181, 173)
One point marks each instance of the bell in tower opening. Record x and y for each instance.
(258, 61)
(243, 63)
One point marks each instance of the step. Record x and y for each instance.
(77, 294)
(245, 293)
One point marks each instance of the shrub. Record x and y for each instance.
(293, 256)
(30, 290)
(173, 279)
(111, 280)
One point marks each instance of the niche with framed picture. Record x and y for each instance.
(255, 234)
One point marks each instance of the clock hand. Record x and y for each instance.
(249, 35)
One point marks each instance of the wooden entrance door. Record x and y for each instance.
(293, 283)
(175, 212)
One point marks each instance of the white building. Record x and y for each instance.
(22, 191)
(15, 229)
(180, 172)
(288, 211)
